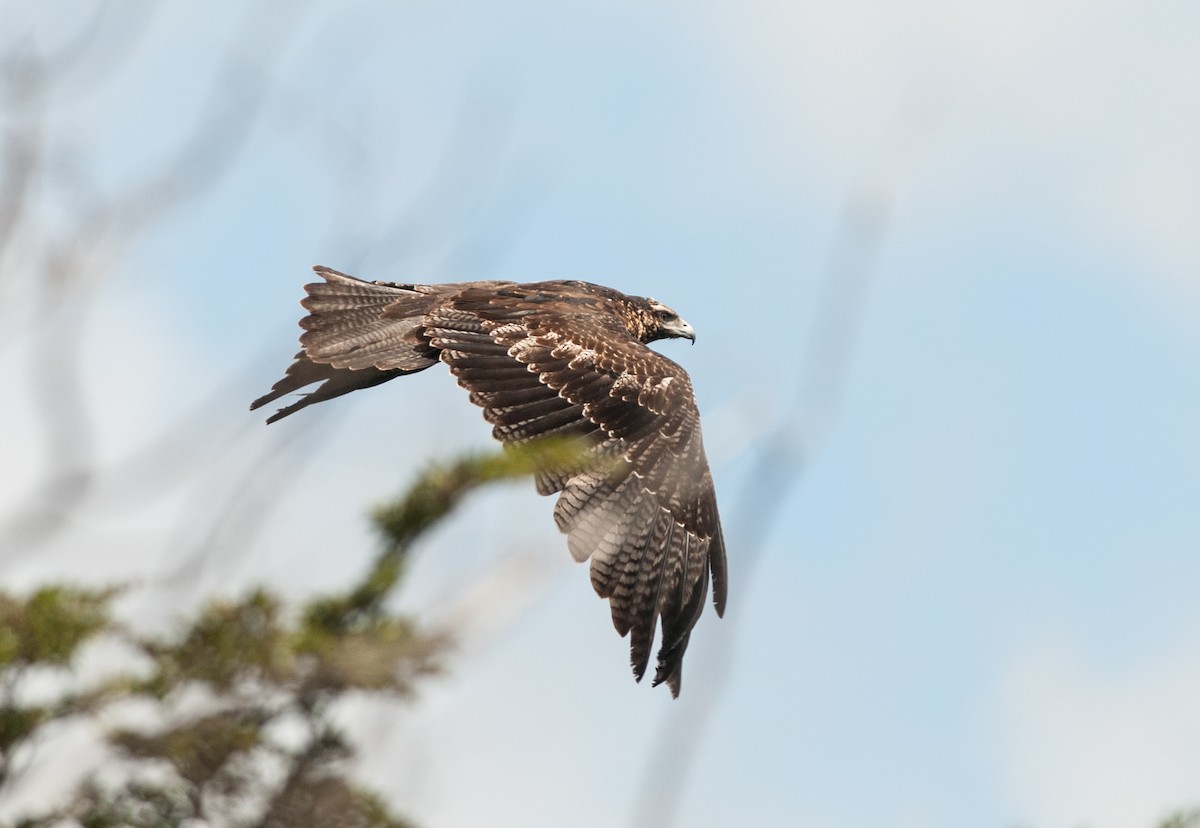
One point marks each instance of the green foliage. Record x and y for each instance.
(442, 487)
(330, 800)
(259, 667)
(50, 625)
(199, 749)
(42, 631)
(137, 805)
(18, 723)
(384, 655)
(229, 644)
(1182, 819)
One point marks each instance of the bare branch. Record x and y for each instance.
(780, 455)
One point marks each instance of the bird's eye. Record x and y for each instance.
(665, 315)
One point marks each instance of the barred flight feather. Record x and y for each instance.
(547, 359)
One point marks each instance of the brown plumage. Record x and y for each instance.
(554, 358)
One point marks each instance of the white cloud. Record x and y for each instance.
(1097, 102)
(1088, 744)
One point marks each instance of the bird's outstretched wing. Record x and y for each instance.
(645, 512)
(552, 359)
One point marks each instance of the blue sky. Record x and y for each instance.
(976, 607)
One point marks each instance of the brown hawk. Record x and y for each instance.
(559, 358)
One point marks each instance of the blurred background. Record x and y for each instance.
(944, 264)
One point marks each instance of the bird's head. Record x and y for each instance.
(662, 322)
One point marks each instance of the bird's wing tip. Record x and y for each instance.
(331, 275)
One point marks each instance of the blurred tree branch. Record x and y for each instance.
(261, 746)
(267, 674)
(70, 258)
(780, 455)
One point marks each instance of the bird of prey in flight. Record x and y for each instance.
(558, 358)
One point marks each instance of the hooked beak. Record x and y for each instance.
(680, 329)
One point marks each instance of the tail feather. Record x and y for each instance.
(357, 324)
(334, 383)
(357, 334)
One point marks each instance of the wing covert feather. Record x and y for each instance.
(650, 524)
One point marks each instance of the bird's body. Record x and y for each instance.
(559, 358)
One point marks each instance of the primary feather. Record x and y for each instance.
(554, 358)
